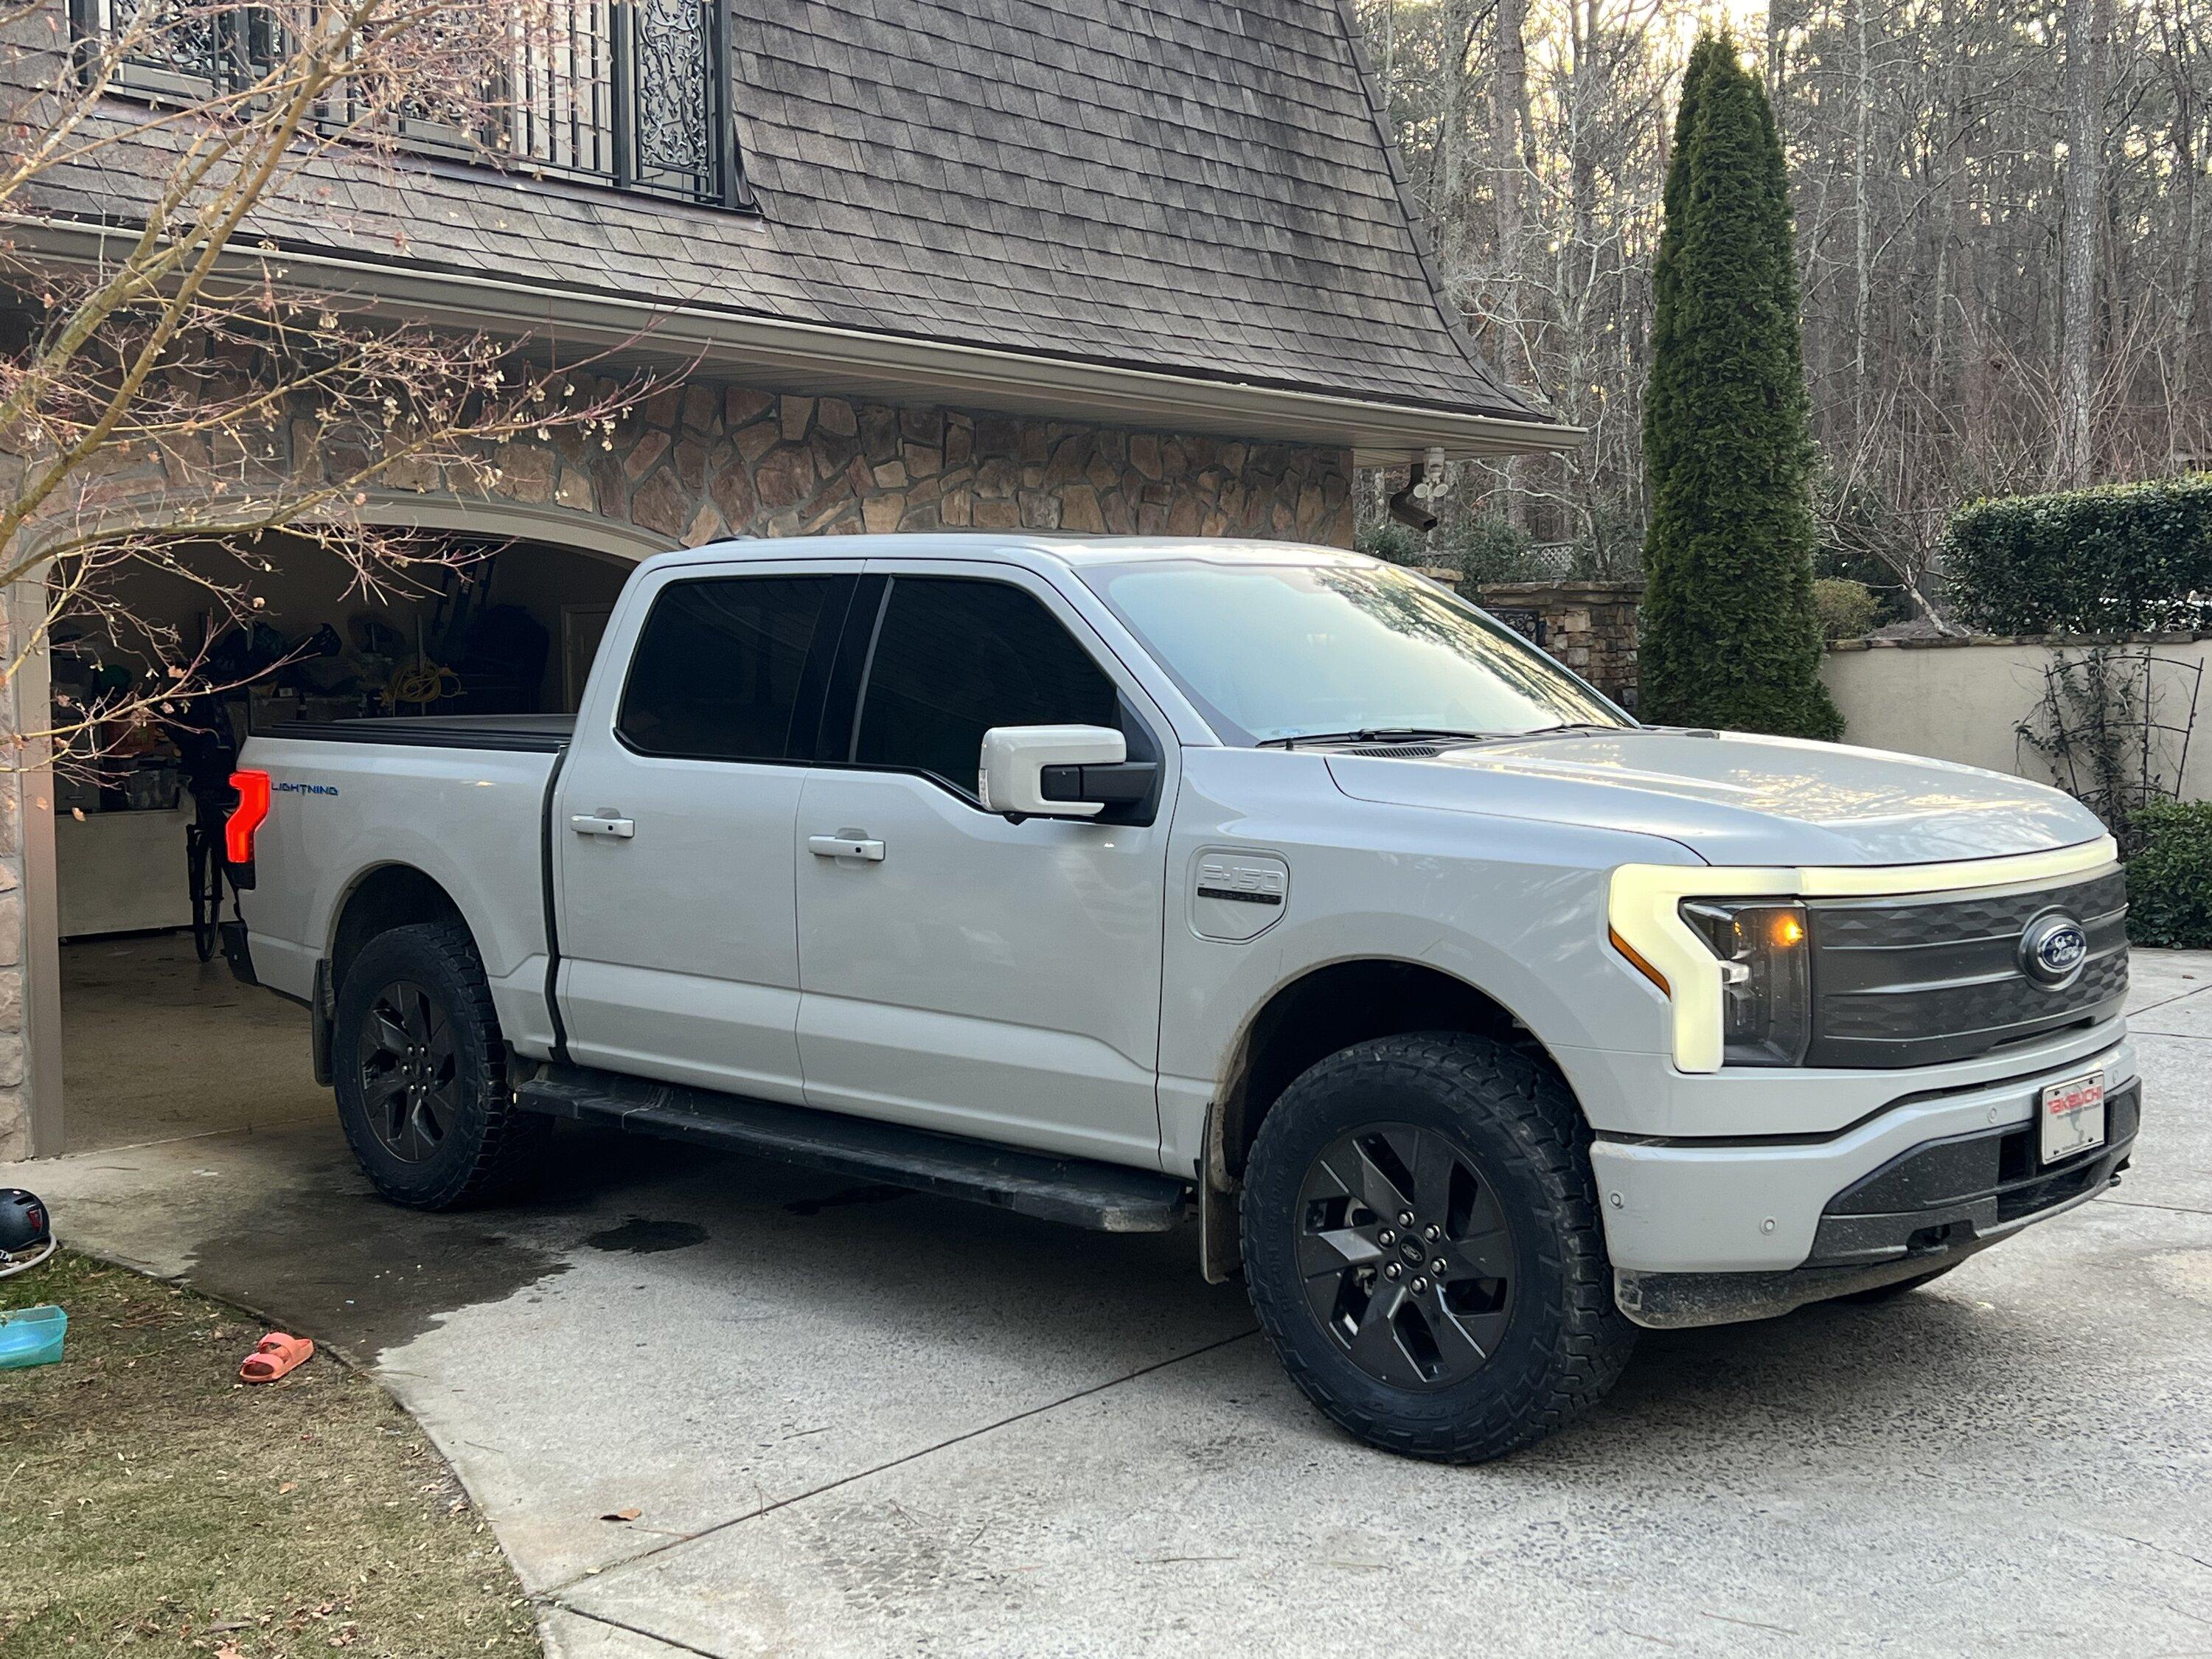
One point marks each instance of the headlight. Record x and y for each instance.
(1766, 978)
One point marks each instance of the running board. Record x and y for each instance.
(1107, 1197)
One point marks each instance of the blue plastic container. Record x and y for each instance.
(31, 1336)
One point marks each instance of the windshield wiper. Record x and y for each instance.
(1441, 734)
(1381, 734)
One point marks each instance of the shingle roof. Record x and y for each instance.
(1190, 185)
(1195, 187)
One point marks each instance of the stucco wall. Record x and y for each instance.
(1964, 699)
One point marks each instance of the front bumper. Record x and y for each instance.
(1930, 1177)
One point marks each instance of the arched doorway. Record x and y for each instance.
(147, 1043)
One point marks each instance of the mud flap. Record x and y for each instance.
(1220, 1221)
(319, 1020)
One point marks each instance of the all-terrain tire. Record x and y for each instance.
(489, 1148)
(1512, 1124)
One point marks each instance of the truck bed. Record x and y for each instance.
(543, 734)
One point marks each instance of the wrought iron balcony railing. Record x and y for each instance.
(635, 93)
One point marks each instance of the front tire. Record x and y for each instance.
(421, 1073)
(1423, 1248)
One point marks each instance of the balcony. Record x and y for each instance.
(634, 94)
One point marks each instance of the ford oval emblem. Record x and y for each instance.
(2052, 949)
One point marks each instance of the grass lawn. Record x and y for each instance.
(148, 1502)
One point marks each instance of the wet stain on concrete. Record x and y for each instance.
(354, 1271)
(640, 1236)
(848, 1196)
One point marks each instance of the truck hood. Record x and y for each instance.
(1736, 799)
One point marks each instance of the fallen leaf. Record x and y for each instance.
(623, 1515)
(290, 1485)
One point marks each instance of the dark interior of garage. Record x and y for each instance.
(158, 1042)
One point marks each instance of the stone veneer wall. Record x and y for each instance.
(706, 460)
(15, 1115)
(1590, 626)
(698, 462)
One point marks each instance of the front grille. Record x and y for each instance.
(1922, 981)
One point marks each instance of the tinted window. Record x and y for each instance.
(955, 658)
(717, 671)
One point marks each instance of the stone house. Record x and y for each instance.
(1074, 265)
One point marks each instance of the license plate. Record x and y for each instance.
(2073, 1117)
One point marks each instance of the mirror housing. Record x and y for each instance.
(1056, 771)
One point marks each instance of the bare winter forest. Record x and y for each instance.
(2002, 213)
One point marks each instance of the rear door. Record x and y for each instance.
(673, 829)
(961, 972)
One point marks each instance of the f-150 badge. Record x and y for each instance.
(1238, 895)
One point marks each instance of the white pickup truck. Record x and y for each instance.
(1140, 883)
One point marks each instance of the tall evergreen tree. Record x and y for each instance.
(1730, 635)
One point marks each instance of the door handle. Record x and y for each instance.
(596, 823)
(846, 847)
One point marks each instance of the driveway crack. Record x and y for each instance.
(668, 1642)
(552, 1594)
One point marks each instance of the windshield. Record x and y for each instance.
(1270, 652)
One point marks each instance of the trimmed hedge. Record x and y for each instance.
(2122, 559)
(2170, 879)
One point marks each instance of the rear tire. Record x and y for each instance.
(1517, 1334)
(421, 1073)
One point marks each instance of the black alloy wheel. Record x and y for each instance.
(420, 1072)
(1423, 1247)
(1407, 1255)
(408, 1073)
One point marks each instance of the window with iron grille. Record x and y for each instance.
(635, 93)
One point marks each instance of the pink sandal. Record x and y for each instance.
(276, 1356)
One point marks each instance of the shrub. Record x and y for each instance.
(1846, 609)
(1488, 551)
(1730, 638)
(2170, 879)
(2122, 559)
(1392, 541)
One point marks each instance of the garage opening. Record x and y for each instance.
(158, 1042)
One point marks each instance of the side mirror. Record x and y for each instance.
(1059, 771)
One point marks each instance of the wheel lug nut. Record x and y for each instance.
(1386, 1236)
(1421, 1285)
(1392, 1270)
(1405, 1218)
(1438, 1265)
(1432, 1232)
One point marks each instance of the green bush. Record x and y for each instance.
(1392, 541)
(1846, 609)
(1488, 551)
(2170, 879)
(2122, 559)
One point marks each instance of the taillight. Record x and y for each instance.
(248, 816)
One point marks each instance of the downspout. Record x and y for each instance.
(1415, 505)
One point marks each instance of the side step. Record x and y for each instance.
(1107, 1197)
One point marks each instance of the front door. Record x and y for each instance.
(672, 831)
(959, 971)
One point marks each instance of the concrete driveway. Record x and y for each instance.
(859, 1421)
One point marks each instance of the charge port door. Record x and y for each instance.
(1237, 895)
